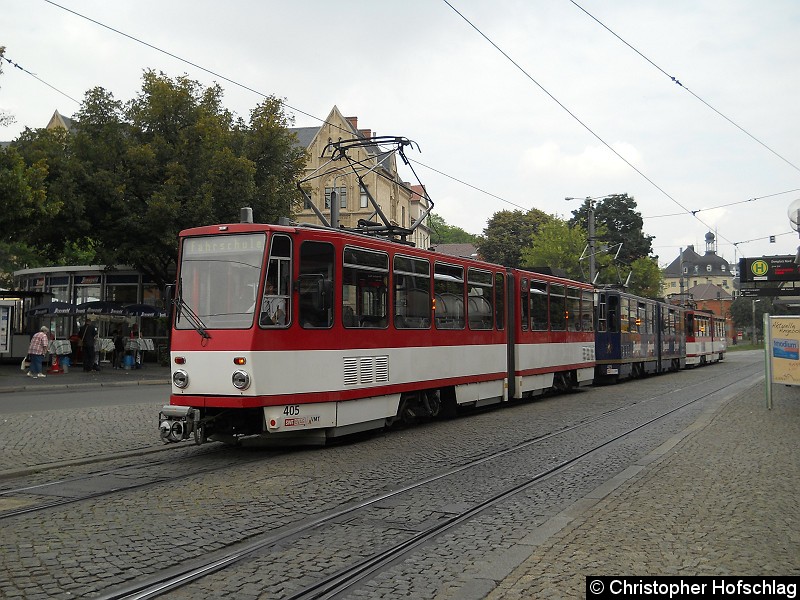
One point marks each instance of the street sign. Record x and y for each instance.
(769, 268)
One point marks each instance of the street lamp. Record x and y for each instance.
(755, 338)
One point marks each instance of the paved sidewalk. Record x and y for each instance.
(721, 498)
(12, 379)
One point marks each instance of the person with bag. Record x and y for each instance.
(38, 350)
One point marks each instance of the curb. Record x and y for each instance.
(63, 386)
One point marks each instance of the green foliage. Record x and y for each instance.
(558, 246)
(442, 233)
(646, 278)
(621, 223)
(120, 188)
(507, 233)
(24, 197)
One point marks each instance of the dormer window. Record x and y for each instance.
(722, 267)
(685, 270)
(708, 268)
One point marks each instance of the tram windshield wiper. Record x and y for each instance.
(191, 317)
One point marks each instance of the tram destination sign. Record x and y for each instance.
(769, 268)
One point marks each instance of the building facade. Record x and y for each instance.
(691, 269)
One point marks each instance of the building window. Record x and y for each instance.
(341, 193)
(673, 284)
(364, 199)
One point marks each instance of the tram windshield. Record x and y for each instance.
(219, 277)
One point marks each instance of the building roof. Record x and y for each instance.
(305, 135)
(708, 291)
(460, 250)
(60, 121)
(695, 264)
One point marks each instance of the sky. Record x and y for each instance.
(514, 104)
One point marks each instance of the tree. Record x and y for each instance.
(122, 186)
(557, 245)
(507, 233)
(646, 278)
(617, 215)
(443, 233)
(277, 159)
(23, 194)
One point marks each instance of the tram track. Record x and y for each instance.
(339, 581)
(113, 481)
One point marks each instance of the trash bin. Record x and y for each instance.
(127, 361)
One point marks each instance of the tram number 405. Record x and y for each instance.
(292, 410)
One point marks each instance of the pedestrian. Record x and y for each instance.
(38, 350)
(88, 335)
(119, 349)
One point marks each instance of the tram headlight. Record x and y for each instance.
(241, 380)
(180, 378)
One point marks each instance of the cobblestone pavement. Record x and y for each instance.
(719, 497)
(720, 501)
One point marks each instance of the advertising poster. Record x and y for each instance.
(784, 350)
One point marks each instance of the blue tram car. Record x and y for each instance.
(636, 336)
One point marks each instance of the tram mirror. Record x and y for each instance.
(169, 294)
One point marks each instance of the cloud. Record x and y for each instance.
(592, 162)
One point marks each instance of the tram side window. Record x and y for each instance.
(587, 310)
(558, 307)
(624, 315)
(412, 293)
(614, 313)
(524, 307)
(500, 301)
(276, 301)
(573, 310)
(639, 324)
(448, 285)
(689, 324)
(539, 317)
(315, 285)
(602, 313)
(365, 277)
(479, 299)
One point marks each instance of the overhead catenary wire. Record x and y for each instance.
(578, 120)
(681, 85)
(324, 121)
(723, 205)
(39, 79)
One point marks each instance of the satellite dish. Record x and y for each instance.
(794, 214)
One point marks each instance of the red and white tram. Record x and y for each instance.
(306, 333)
(705, 337)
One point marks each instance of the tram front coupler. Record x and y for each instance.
(177, 423)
